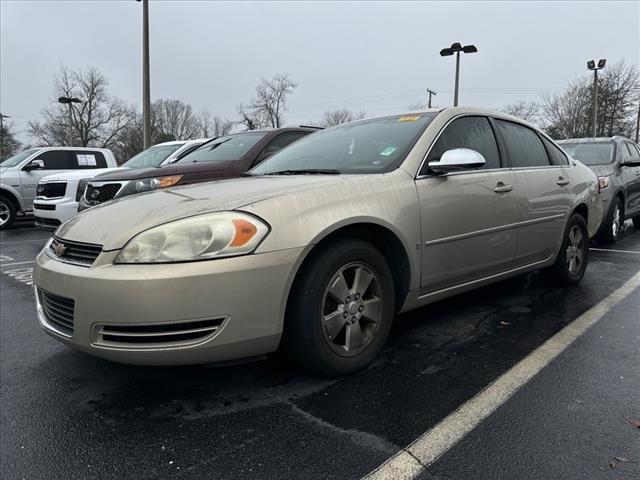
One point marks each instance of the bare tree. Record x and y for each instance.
(96, 121)
(340, 115)
(528, 111)
(9, 144)
(213, 126)
(267, 108)
(175, 119)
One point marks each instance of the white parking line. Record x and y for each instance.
(414, 459)
(612, 250)
(15, 263)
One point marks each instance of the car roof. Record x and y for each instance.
(616, 138)
(70, 148)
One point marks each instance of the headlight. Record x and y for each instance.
(147, 184)
(82, 186)
(603, 182)
(202, 237)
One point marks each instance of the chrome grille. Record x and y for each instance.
(83, 254)
(58, 311)
(157, 335)
(95, 194)
(51, 190)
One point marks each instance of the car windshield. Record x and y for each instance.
(591, 153)
(152, 156)
(19, 157)
(230, 147)
(368, 146)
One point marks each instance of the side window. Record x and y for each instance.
(524, 147)
(474, 133)
(56, 160)
(623, 153)
(82, 159)
(278, 143)
(556, 155)
(633, 150)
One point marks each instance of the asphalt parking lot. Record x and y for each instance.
(67, 415)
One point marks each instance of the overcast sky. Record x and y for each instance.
(378, 57)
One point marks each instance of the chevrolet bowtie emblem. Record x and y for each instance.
(58, 248)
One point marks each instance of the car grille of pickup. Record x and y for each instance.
(151, 336)
(51, 190)
(58, 311)
(103, 193)
(83, 254)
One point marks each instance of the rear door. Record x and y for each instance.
(469, 217)
(541, 174)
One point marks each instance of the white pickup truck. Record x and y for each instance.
(20, 174)
(58, 195)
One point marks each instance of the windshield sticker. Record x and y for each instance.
(409, 118)
(388, 151)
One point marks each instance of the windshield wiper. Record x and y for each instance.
(306, 171)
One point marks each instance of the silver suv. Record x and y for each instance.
(20, 174)
(616, 162)
(320, 245)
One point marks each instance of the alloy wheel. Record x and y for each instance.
(575, 250)
(352, 309)
(5, 213)
(616, 224)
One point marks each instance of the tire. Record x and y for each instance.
(575, 246)
(613, 224)
(357, 326)
(7, 212)
(636, 222)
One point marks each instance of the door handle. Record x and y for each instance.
(638, 172)
(562, 182)
(502, 188)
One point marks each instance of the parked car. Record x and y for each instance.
(616, 162)
(58, 195)
(20, 174)
(222, 157)
(318, 247)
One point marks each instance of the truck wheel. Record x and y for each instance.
(612, 225)
(7, 212)
(636, 222)
(573, 257)
(340, 309)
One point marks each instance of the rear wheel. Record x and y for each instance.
(636, 222)
(612, 225)
(573, 257)
(7, 212)
(340, 309)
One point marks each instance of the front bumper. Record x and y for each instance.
(248, 295)
(63, 210)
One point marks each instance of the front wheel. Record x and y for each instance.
(573, 257)
(340, 309)
(636, 222)
(7, 213)
(612, 225)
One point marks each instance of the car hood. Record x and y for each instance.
(75, 175)
(114, 223)
(163, 170)
(602, 170)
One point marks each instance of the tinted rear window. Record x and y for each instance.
(524, 147)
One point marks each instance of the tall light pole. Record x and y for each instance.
(69, 101)
(2, 117)
(146, 95)
(447, 52)
(591, 65)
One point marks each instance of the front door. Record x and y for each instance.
(468, 218)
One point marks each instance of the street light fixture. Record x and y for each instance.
(457, 48)
(591, 65)
(69, 101)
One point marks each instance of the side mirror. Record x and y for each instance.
(458, 159)
(36, 164)
(632, 162)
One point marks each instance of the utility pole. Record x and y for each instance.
(591, 65)
(2, 117)
(430, 92)
(69, 101)
(447, 52)
(638, 121)
(146, 95)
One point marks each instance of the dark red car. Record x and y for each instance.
(223, 157)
